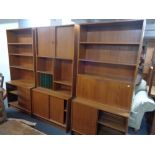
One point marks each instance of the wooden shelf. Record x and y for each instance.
(113, 22)
(46, 57)
(103, 62)
(65, 59)
(16, 105)
(15, 92)
(65, 110)
(20, 44)
(18, 67)
(101, 106)
(23, 55)
(64, 94)
(22, 83)
(45, 72)
(109, 43)
(67, 83)
(112, 125)
(106, 77)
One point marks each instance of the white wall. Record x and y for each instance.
(4, 62)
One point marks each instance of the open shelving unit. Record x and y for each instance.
(107, 67)
(21, 48)
(55, 73)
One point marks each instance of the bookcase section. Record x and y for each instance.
(108, 60)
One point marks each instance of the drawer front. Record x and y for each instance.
(40, 104)
(57, 109)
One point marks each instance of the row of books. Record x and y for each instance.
(46, 80)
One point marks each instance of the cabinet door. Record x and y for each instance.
(40, 104)
(84, 119)
(46, 41)
(65, 42)
(57, 109)
(24, 98)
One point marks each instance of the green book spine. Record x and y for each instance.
(45, 81)
(41, 80)
(49, 83)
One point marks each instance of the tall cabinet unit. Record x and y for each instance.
(21, 48)
(56, 70)
(107, 66)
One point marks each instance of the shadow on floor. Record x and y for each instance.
(42, 126)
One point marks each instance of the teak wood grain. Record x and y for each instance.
(45, 64)
(20, 35)
(46, 41)
(40, 106)
(65, 42)
(84, 119)
(57, 109)
(108, 92)
(106, 53)
(24, 98)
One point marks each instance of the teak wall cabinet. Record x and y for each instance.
(79, 77)
(21, 48)
(107, 66)
(55, 73)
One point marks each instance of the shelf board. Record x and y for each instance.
(103, 62)
(19, 67)
(65, 59)
(64, 94)
(45, 72)
(15, 92)
(101, 106)
(23, 83)
(127, 21)
(23, 55)
(106, 77)
(109, 43)
(67, 83)
(20, 44)
(16, 105)
(46, 57)
(112, 125)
